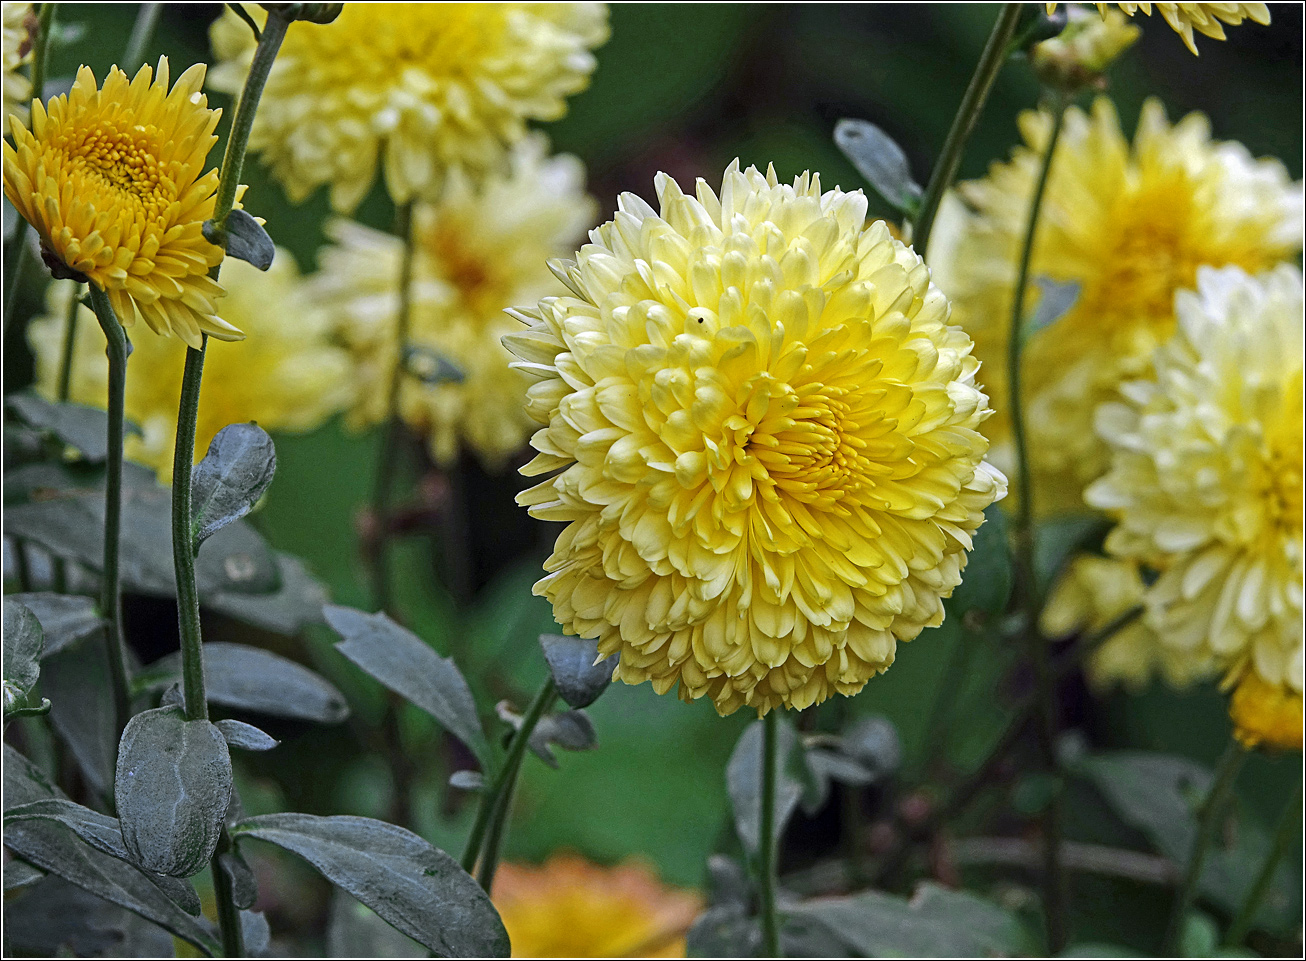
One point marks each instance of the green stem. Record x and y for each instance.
(183, 537)
(963, 124)
(1208, 824)
(1283, 837)
(766, 855)
(493, 812)
(69, 345)
(142, 32)
(233, 937)
(110, 583)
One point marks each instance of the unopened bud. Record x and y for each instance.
(312, 12)
(1077, 57)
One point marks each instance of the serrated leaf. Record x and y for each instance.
(578, 673)
(65, 618)
(1056, 299)
(744, 782)
(23, 641)
(986, 581)
(569, 730)
(881, 161)
(243, 237)
(172, 789)
(416, 887)
(231, 478)
(252, 679)
(246, 736)
(407, 665)
(85, 429)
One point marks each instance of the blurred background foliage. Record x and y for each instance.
(685, 88)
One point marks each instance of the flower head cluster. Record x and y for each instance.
(421, 88)
(478, 252)
(16, 49)
(570, 908)
(1205, 18)
(766, 439)
(1265, 714)
(288, 375)
(1130, 225)
(1206, 476)
(113, 181)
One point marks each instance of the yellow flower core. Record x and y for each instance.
(1266, 714)
(570, 908)
(113, 181)
(422, 88)
(1205, 18)
(768, 440)
(1131, 225)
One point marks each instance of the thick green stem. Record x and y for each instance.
(183, 537)
(1283, 838)
(147, 18)
(233, 937)
(496, 800)
(69, 345)
(1208, 825)
(963, 124)
(110, 584)
(766, 855)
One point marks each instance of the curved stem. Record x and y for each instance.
(110, 586)
(496, 801)
(1283, 836)
(963, 124)
(142, 33)
(1208, 823)
(766, 855)
(233, 937)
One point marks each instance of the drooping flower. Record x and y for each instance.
(1205, 18)
(113, 181)
(1094, 591)
(421, 88)
(1206, 475)
(1266, 714)
(1130, 226)
(478, 252)
(287, 376)
(767, 442)
(16, 49)
(571, 908)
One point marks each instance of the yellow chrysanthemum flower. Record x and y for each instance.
(288, 376)
(1264, 714)
(478, 252)
(768, 442)
(1206, 475)
(113, 181)
(16, 48)
(570, 908)
(1091, 593)
(1205, 18)
(1130, 226)
(422, 87)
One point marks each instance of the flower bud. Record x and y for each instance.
(1079, 55)
(312, 12)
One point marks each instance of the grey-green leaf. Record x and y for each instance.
(98, 830)
(744, 783)
(431, 367)
(287, 610)
(416, 887)
(65, 618)
(1056, 299)
(244, 886)
(569, 730)
(246, 736)
(76, 680)
(231, 478)
(85, 429)
(580, 675)
(172, 789)
(355, 931)
(245, 239)
(403, 662)
(23, 640)
(881, 161)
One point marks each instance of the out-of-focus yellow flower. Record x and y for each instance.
(422, 88)
(570, 908)
(478, 252)
(287, 376)
(16, 49)
(1130, 226)
(1077, 57)
(113, 181)
(768, 442)
(1206, 475)
(1205, 18)
(1091, 593)
(1266, 714)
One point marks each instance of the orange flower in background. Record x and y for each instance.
(571, 908)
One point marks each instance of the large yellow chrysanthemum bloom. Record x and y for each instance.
(113, 181)
(1206, 475)
(1130, 226)
(768, 438)
(1266, 714)
(16, 48)
(1205, 18)
(287, 376)
(570, 908)
(479, 250)
(423, 88)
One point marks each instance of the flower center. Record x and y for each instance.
(466, 269)
(122, 160)
(1282, 486)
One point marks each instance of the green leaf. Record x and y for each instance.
(255, 933)
(244, 886)
(1056, 299)
(23, 641)
(230, 479)
(20, 874)
(172, 789)
(407, 665)
(65, 618)
(744, 782)
(569, 730)
(580, 675)
(53, 848)
(85, 429)
(355, 931)
(881, 161)
(98, 830)
(246, 736)
(430, 366)
(252, 679)
(1198, 936)
(986, 582)
(936, 922)
(1059, 537)
(293, 606)
(416, 887)
(82, 710)
(242, 237)
(57, 919)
